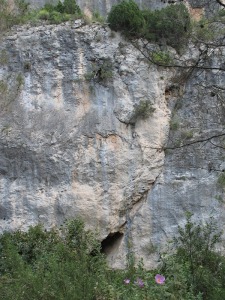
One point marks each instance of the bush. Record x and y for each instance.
(101, 72)
(67, 263)
(204, 267)
(170, 25)
(126, 17)
(59, 13)
(43, 14)
(142, 111)
(52, 13)
(70, 7)
(221, 180)
(58, 264)
(161, 58)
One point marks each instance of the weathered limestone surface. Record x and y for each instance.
(68, 146)
(189, 179)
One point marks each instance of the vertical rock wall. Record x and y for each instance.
(71, 141)
(72, 144)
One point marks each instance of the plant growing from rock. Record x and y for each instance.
(142, 111)
(101, 71)
(221, 180)
(161, 57)
(3, 58)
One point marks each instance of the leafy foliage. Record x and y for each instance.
(19, 13)
(127, 17)
(169, 25)
(161, 57)
(69, 7)
(67, 263)
(142, 111)
(59, 13)
(221, 180)
(50, 265)
(195, 253)
(101, 71)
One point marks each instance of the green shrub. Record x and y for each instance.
(142, 111)
(66, 263)
(221, 180)
(174, 124)
(55, 264)
(195, 249)
(127, 17)
(101, 72)
(3, 87)
(56, 17)
(52, 13)
(19, 80)
(70, 7)
(59, 13)
(4, 58)
(170, 25)
(161, 57)
(43, 14)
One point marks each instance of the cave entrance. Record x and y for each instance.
(111, 243)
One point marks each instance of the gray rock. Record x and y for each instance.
(68, 146)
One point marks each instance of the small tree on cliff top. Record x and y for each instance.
(126, 17)
(70, 7)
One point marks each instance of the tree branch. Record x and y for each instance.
(221, 2)
(198, 141)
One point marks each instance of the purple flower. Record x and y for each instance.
(126, 281)
(160, 279)
(139, 282)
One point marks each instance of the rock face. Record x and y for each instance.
(192, 177)
(71, 141)
(74, 140)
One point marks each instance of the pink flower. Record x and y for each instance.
(160, 279)
(126, 281)
(139, 282)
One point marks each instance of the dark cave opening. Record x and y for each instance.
(111, 242)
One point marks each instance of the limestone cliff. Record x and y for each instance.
(70, 142)
(74, 143)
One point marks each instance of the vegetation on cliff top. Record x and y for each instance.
(19, 13)
(67, 263)
(170, 25)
